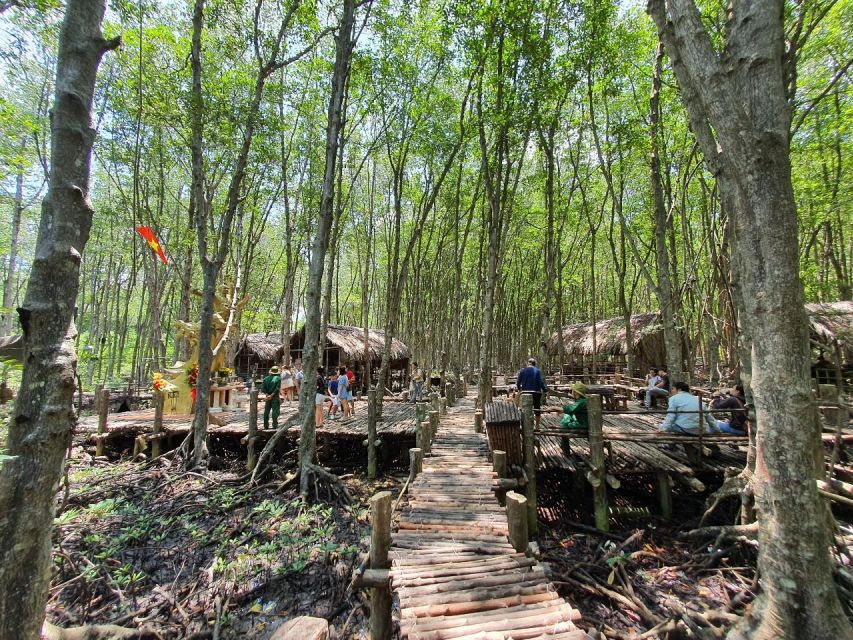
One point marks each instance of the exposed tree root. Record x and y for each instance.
(736, 484)
(96, 632)
(316, 477)
(259, 469)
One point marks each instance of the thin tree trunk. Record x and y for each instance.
(11, 283)
(44, 416)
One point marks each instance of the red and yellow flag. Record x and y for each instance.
(148, 235)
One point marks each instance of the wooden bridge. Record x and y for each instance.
(454, 571)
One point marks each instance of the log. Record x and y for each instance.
(529, 451)
(416, 459)
(516, 516)
(159, 399)
(302, 628)
(380, 542)
(252, 436)
(499, 462)
(103, 411)
(597, 474)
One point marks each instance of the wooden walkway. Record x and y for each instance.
(453, 570)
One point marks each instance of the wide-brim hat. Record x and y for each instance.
(579, 388)
(274, 371)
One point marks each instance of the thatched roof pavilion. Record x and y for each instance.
(832, 321)
(258, 352)
(345, 344)
(610, 340)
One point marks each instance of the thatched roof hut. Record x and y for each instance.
(258, 352)
(832, 321)
(345, 344)
(610, 340)
(12, 348)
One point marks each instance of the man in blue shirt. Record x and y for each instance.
(530, 381)
(678, 420)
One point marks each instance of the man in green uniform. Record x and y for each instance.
(271, 388)
(575, 416)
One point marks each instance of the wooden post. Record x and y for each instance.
(96, 403)
(528, 442)
(371, 433)
(499, 462)
(478, 422)
(103, 400)
(380, 543)
(416, 462)
(433, 427)
(597, 474)
(434, 400)
(516, 517)
(252, 436)
(665, 493)
(426, 437)
(450, 393)
(159, 398)
(442, 406)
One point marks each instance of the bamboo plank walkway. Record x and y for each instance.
(453, 570)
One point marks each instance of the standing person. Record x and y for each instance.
(530, 381)
(350, 387)
(736, 423)
(288, 384)
(344, 394)
(417, 382)
(660, 390)
(682, 415)
(319, 397)
(299, 377)
(271, 388)
(334, 399)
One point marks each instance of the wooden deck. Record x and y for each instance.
(398, 423)
(453, 570)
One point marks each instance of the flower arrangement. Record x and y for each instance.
(192, 375)
(224, 372)
(159, 383)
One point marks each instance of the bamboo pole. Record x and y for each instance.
(380, 543)
(252, 436)
(529, 450)
(159, 398)
(103, 399)
(516, 517)
(597, 473)
(371, 433)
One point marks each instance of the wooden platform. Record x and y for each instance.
(398, 422)
(453, 570)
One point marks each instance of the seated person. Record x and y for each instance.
(678, 420)
(659, 390)
(575, 414)
(652, 379)
(736, 423)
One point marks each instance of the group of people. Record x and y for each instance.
(333, 396)
(683, 413)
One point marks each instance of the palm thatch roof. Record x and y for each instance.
(832, 321)
(609, 335)
(350, 340)
(263, 346)
(12, 348)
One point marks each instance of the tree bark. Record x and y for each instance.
(44, 415)
(344, 43)
(740, 114)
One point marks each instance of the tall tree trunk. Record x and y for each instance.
(671, 334)
(44, 416)
(11, 283)
(740, 114)
(344, 44)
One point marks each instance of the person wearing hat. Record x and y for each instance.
(575, 413)
(271, 388)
